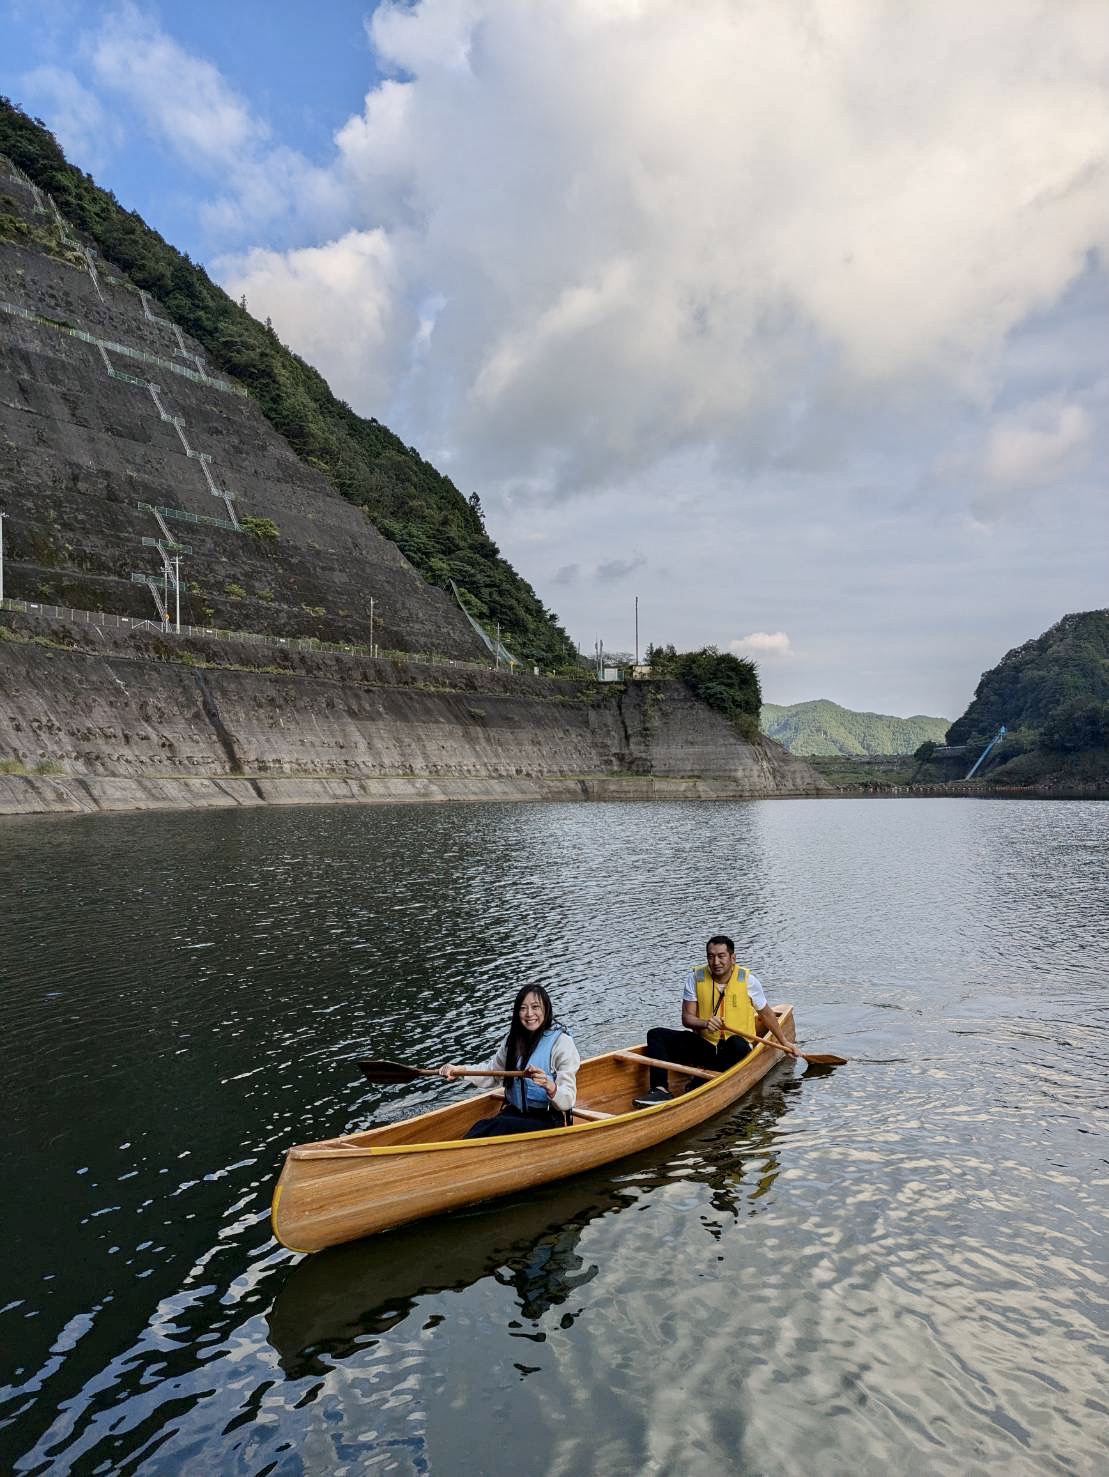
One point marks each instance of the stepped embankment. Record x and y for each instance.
(127, 464)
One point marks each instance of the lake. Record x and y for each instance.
(897, 1265)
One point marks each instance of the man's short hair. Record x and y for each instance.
(721, 938)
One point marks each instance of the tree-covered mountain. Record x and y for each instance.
(823, 727)
(441, 532)
(1052, 695)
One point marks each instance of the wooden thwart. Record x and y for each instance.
(654, 1061)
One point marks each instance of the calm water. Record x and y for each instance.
(901, 1265)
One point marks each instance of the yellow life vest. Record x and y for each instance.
(732, 1002)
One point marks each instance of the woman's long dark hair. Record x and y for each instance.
(521, 1043)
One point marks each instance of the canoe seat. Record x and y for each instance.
(590, 1114)
(654, 1061)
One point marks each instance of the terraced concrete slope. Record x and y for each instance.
(116, 435)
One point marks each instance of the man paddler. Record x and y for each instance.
(720, 997)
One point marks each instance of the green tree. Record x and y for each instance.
(728, 683)
(1079, 723)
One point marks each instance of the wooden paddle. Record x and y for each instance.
(378, 1071)
(814, 1059)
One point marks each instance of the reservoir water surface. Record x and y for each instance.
(897, 1265)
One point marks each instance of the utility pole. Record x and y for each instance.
(637, 630)
(2, 517)
(372, 652)
(177, 588)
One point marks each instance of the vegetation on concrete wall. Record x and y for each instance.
(728, 683)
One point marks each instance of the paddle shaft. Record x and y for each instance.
(394, 1072)
(475, 1072)
(822, 1059)
(465, 1072)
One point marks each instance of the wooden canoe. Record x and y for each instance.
(343, 1188)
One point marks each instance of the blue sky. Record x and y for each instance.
(786, 316)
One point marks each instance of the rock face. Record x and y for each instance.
(121, 726)
(107, 412)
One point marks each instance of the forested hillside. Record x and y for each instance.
(1052, 694)
(823, 727)
(440, 531)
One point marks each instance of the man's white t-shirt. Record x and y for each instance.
(754, 989)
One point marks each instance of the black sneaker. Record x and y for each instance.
(652, 1098)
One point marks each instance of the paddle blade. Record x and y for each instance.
(389, 1072)
(824, 1059)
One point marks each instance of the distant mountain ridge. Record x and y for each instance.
(823, 727)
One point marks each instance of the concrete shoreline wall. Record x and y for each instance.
(122, 727)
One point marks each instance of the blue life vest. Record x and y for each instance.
(521, 1092)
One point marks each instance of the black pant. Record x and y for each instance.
(511, 1120)
(690, 1049)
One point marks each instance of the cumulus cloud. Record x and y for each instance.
(664, 224)
(656, 224)
(333, 302)
(772, 644)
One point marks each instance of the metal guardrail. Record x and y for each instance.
(110, 621)
(186, 517)
(106, 343)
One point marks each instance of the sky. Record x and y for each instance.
(786, 318)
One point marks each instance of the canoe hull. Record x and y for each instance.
(341, 1190)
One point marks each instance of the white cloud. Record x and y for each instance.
(331, 302)
(652, 225)
(651, 228)
(79, 121)
(201, 118)
(1038, 446)
(185, 95)
(765, 644)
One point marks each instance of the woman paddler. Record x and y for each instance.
(537, 1044)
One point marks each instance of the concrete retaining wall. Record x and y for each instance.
(121, 727)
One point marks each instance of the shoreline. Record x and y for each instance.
(54, 794)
